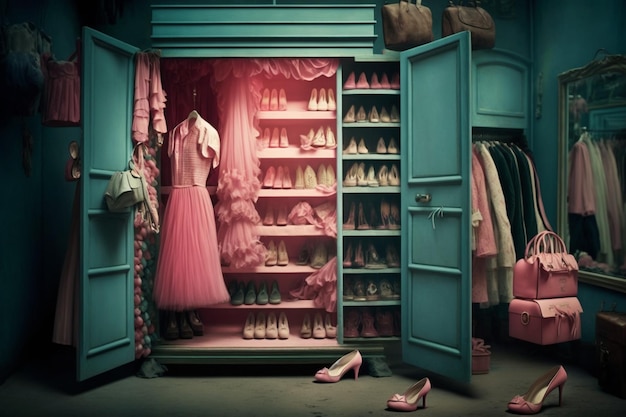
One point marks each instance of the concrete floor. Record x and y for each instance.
(45, 387)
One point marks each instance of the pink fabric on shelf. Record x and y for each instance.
(149, 99)
(321, 287)
(189, 273)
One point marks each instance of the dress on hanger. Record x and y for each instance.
(189, 274)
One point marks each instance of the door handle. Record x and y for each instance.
(423, 198)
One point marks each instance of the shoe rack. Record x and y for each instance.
(297, 126)
(369, 242)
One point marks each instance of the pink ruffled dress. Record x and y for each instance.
(189, 274)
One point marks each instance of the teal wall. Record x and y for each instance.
(565, 38)
(37, 215)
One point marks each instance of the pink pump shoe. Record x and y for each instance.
(352, 360)
(410, 398)
(532, 401)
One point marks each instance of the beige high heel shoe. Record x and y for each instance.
(361, 116)
(380, 146)
(319, 140)
(373, 116)
(361, 181)
(259, 326)
(319, 332)
(307, 140)
(350, 116)
(395, 116)
(265, 139)
(299, 185)
(270, 175)
(310, 182)
(283, 326)
(361, 148)
(321, 174)
(284, 139)
(278, 180)
(350, 223)
(282, 100)
(331, 178)
(271, 328)
(275, 140)
(305, 329)
(272, 254)
(322, 104)
(351, 148)
(332, 104)
(286, 178)
(313, 100)
(331, 330)
(281, 220)
(248, 327)
(383, 173)
(282, 256)
(274, 100)
(371, 177)
(331, 142)
(394, 176)
(265, 100)
(392, 148)
(350, 180)
(384, 116)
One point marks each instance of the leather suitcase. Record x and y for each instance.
(545, 322)
(611, 352)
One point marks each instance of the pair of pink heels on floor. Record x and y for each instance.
(408, 401)
(529, 403)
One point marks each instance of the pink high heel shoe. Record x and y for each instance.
(532, 401)
(352, 360)
(410, 398)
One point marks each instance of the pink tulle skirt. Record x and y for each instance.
(189, 274)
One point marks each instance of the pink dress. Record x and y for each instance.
(189, 274)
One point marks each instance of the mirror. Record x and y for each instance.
(592, 169)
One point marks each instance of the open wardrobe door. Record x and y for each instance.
(436, 206)
(106, 331)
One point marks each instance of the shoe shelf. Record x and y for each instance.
(371, 92)
(290, 230)
(285, 304)
(293, 193)
(296, 111)
(293, 152)
(291, 268)
(370, 190)
(371, 157)
(371, 232)
(370, 317)
(371, 125)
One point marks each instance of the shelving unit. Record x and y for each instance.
(296, 119)
(369, 291)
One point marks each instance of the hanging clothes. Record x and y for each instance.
(189, 274)
(150, 98)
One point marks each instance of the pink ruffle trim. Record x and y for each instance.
(321, 287)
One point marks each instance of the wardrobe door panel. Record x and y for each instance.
(106, 330)
(435, 204)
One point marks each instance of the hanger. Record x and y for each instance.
(194, 114)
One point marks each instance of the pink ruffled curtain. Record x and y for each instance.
(238, 84)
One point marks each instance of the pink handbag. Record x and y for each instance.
(547, 270)
(545, 322)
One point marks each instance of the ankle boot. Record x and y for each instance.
(185, 331)
(196, 325)
(171, 329)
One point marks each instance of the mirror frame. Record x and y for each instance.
(610, 63)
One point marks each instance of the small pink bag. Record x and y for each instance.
(547, 269)
(545, 322)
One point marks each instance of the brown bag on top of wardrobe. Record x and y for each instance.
(406, 25)
(458, 18)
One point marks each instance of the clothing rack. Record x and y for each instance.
(490, 134)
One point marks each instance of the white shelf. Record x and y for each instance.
(292, 192)
(296, 111)
(262, 269)
(290, 230)
(289, 304)
(370, 156)
(367, 190)
(294, 152)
